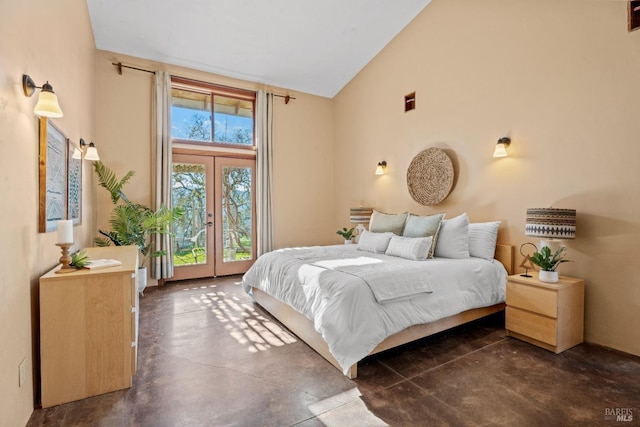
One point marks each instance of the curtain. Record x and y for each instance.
(264, 171)
(162, 266)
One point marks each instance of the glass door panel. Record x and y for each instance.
(193, 253)
(235, 222)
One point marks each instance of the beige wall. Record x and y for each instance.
(66, 57)
(303, 172)
(303, 149)
(562, 82)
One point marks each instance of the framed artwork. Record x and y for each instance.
(74, 184)
(633, 18)
(52, 176)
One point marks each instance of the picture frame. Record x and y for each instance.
(74, 183)
(52, 176)
(633, 15)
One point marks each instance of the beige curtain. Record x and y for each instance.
(162, 266)
(264, 170)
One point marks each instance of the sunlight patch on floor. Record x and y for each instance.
(198, 287)
(243, 322)
(345, 409)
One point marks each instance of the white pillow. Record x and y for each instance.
(374, 242)
(453, 238)
(482, 239)
(383, 222)
(415, 248)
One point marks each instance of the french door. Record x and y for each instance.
(216, 235)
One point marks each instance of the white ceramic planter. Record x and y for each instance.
(348, 242)
(548, 276)
(141, 279)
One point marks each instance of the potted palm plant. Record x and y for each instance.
(548, 263)
(132, 223)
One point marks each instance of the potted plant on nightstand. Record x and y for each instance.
(548, 263)
(132, 223)
(347, 234)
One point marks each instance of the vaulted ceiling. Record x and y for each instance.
(313, 46)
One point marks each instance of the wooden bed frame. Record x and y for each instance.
(304, 329)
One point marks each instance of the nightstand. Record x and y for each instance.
(549, 315)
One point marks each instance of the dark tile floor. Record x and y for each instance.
(209, 357)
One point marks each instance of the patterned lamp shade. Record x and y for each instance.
(360, 215)
(551, 223)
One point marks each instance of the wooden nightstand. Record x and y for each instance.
(549, 315)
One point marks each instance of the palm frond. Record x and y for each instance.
(160, 221)
(112, 237)
(108, 179)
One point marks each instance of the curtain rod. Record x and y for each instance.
(287, 98)
(120, 66)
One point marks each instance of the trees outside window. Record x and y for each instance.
(214, 115)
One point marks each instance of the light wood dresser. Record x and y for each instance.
(549, 315)
(89, 328)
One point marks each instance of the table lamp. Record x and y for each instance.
(552, 225)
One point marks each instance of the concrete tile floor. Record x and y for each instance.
(208, 356)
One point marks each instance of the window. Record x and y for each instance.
(208, 114)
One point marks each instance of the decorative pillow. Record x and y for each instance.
(415, 248)
(383, 222)
(453, 238)
(424, 226)
(482, 239)
(374, 242)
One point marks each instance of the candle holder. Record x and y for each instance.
(65, 259)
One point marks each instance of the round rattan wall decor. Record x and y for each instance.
(430, 176)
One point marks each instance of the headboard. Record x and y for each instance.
(504, 254)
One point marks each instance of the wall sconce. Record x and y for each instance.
(501, 147)
(381, 167)
(47, 105)
(91, 151)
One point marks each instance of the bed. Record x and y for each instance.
(320, 295)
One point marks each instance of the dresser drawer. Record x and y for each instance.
(532, 325)
(538, 300)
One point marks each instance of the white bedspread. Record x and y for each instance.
(343, 306)
(388, 281)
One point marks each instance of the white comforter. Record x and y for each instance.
(322, 283)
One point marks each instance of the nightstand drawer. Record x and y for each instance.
(531, 298)
(532, 325)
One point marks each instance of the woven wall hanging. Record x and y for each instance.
(430, 176)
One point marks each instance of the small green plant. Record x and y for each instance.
(546, 261)
(347, 233)
(79, 259)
